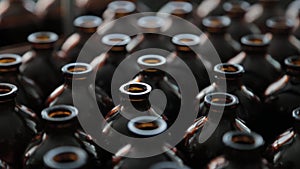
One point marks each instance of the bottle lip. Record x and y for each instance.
(228, 70)
(157, 123)
(116, 39)
(42, 37)
(122, 7)
(59, 113)
(77, 70)
(9, 60)
(292, 63)
(87, 21)
(7, 91)
(142, 88)
(150, 22)
(236, 8)
(220, 99)
(178, 7)
(243, 141)
(168, 165)
(296, 114)
(255, 40)
(78, 154)
(280, 24)
(186, 40)
(151, 61)
(215, 24)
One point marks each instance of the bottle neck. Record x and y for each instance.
(231, 84)
(131, 105)
(244, 157)
(8, 105)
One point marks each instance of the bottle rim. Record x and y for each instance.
(151, 60)
(10, 60)
(42, 37)
(127, 6)
(185, 7)
(228, 70)
(236, 7)
(296, 114)
(116, 39)
(186, 40)
(293, 63)
(150, 22)
(79, 154)
(255, 40)
(168, 165)
(216, 22)
(221, 99)
(8, 91)
(77, 70)
(159, 126)
(143, 88)
(281, 24)
(87, 21)
(243, 141)
(60, 113)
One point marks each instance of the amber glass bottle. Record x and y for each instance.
(151, 74)
(61, 129)
(260, 68)
(116, 53)
(69, 51)
(243, 150)
(16, 22)
(185, 48)
(38, 63)
(216, 31)
(29, 94)
(215, 104)
(283, 43)
(145, 127)
(239, 27)
(66, 157)
(285, 149)
(17, 128)
(283, 96)
(80, 73)
(249, 108)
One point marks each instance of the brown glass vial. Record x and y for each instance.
(239, 27)
(69, 51)
(17, 126)
(16, 23)
(151, 73)
(283, 43)
(81, 75)
(220, 111)
(284, 150)
(260, 68)
(145, 127)
(61, 129)
(216, 31)
(249, 109)
(282, 96)
(67, 157)
(243, 150)
(29, 94)
(106, 63)
(186, 46)
(38, 63)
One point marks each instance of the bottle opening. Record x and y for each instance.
(280, 23)
(59, 113)
(147, 125)
(151, 60)
(216, 21)
(43, 37)
(221, 99)
(186, 40)
(236, 7)
(87, 21)
(292, 62)
(255, 40)
(6, 60)
(122, 7)
(228, 70)
(116, 39)
(151, 22)
(168, 165)
(242, 140)
(77, 70)
(135, 88)
(180, 8)
(296, 114)
(7, 91)
(65, 157)
(10, 61)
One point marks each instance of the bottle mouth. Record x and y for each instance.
(116, 39)
(151, 23)
(135, 89)
(59, 113)
(65, 157)
(147, 125)
(122, 7)
(221, 100)
(77, 70)
(9, 61)
(292, 64)
(180, 8)
(42, 37)
(227, 70)
(7, 91)
(236, 8)
(257, 40)
(242, 140)
(280, 24)
(296, 114)
(216, 23)
(186, 40)
(151, 61)
(168, 165)
(87, 21)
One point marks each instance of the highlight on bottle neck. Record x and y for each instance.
(42, 40)
(151, 24)
(121, 8)
(147, 126)
(180, 8)
(151, 63)
(10, 62)
(87, 23)
(8, 92)
(77, 71)
(236, 9)
(221, 101)
(116, 41)
(292, 65)
(216, 24)
(280, 25)
(65, 157)
(184, 42)
(256, 43)
(168, 165)
(228, 71)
